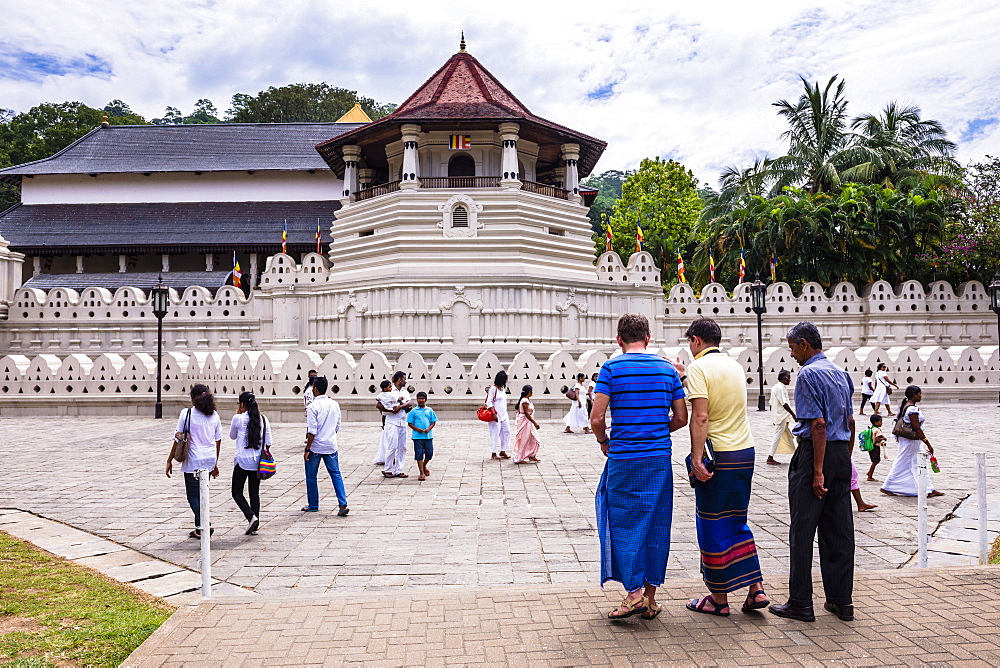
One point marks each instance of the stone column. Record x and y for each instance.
(411, 165)
(79, 264)
(10, 275)
(165, 263)
(366, 177)
(36, 266)
(509, 178)
(352, 155)
(571, 180)
(209, 261)
(122, 264)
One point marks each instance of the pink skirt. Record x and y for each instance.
(525, 439)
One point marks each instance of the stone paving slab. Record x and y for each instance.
(541, 626)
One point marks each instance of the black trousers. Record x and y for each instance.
(831, 517)
(243, 477)
(193, 491)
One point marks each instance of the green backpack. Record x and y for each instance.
(865, 441)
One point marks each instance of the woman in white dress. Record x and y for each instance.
(882, 389)
(902, 479)
(577, 416)
(496, 397)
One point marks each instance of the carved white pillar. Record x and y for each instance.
(509, 178)
(209, 261)
(571, 180)
(411, 169)
(79, 264)
(10, 275)
(36, 266)
(122, 264)
(165, 263)
(366, 177)
(352, 155)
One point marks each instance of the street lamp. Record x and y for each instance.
(159, 296)
(759, 306)
(995, 300)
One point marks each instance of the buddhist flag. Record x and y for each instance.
(774, 268)
(680, 268)
(638, 238)
(318, 239)
(284, 238)
(237, 274)
(711, 266)
(607, 238)
(460, 142)
(743, 267)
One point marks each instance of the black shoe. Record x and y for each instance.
(343, 511)
(845, 612)
(801, 613)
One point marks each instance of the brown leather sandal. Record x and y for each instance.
(636, 607)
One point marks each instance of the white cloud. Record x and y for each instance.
(694, 82)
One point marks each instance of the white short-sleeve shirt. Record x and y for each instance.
(247, 458)
(497, 398)
(205, 430)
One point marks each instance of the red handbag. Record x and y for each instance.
(487, 413)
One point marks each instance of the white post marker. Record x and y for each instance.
(922, 484)
(206, 535)
(984, 547)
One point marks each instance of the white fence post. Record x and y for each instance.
(922, 484)
(984, 546)
(206, 535)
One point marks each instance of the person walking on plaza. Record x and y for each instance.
(421, 421)
(384, 402)
(395, 428)
(782, 416)
(902, 478)
(591, 384)
(525, 429)
(716, 387)
(883, 388)
(323, 424)
(496, 397)
(577, 416)
(873, 438)
(252, 432)
(307, 394)
(634, 499)
(819, 481)
(867, 390)
(203, 425)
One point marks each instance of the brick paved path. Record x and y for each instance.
(935, 617)
(474, 522)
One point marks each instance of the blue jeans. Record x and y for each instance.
(312, 468)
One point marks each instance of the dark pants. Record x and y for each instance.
(830, 516)
(240, 478)
(193, 496)
(865, 398)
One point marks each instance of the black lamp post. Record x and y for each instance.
(995, 299)
(759, 305)
(159, 296)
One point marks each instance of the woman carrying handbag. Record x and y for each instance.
(202, 425)
(909, 431)
(252, 433)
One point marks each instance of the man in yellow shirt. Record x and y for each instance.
(716, 387)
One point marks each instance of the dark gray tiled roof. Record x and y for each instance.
(189, 148)
(198, 227)
(145, 280)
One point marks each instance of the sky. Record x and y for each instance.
(691, 81)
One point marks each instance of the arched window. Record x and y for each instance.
(462, 165)
(460, 216)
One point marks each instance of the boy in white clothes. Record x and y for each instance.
(395, 429)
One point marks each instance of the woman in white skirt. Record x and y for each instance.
(882, 385)
(577, 416)
(902, 479)
(496, 397)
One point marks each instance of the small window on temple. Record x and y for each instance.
(462, 165)
(460, 216)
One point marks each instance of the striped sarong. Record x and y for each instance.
(728, 552)
(634, 508)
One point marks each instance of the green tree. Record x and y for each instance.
(204, 112)
(609, 189)
(119, 113)
(301, 102)
(663, 197)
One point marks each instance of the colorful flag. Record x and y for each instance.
(680, 268)
(774, 268)
(638, 238)
(284, 238)
(743, 267)
(460, 142)
(607, 238)
(318, 240)
(711, 266)
(237, 274)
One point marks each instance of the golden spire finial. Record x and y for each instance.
(461, 45)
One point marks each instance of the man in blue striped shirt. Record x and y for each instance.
(635, 495)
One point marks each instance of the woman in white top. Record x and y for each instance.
(902, 479)
(496, 397)
(250, 430)
(203, 423)
(577, 416)
(882, 385)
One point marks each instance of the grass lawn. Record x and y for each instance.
(54, 612)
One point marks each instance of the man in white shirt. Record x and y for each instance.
(323, 423)
(781, 416)
(395, 429)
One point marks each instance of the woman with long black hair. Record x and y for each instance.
(203, 424)
(496, 396)
(902, 478)
(251, 431)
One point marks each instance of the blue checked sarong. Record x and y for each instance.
(728, 552)
(634, 507)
